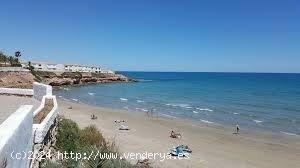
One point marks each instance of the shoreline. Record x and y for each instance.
(255, 130)
(213, 146)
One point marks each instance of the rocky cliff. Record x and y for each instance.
(75, 78)
(16, 79)
(26, 79)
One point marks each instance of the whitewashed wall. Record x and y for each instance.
(18, 133)
(16, 91)
(40, 90)
(13, 69)
(16, 137)
(40, 130)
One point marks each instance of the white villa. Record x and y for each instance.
(45, 66)
(52, 67)
(82, 68)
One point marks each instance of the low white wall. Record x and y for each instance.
(16, 91)
(16, 137)
(40, 90)
(40, 130)
(13, 69)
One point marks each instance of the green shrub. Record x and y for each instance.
(49, 164)
(92, 137)
(86, 141)
(68, 136)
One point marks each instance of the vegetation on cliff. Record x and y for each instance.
(12, 61)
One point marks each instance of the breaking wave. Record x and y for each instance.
(178, 105)
(208, 122)
(168, 116)
(257, 121)
(140, 101)
(91, 93)
(205, 109)
(123, 99)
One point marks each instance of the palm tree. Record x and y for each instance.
(17, 55)
(30, 67)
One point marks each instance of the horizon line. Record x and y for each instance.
(206, 72)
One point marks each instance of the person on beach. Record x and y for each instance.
(151, 112)
(93, 117)
(175, 135)
(172, 134)
(237, 128)
(119, 121)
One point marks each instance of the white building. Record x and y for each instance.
(52, 67)
(44, 66)
(82, 68)
(107, 71)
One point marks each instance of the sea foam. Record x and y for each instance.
(288, 133)
(208, 122)
(178, 105)
(91, 93)
(123, 99)
(169, 116)
(145, 110)
(140, 101)
(204, 109)
(257, 121)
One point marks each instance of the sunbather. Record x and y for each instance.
(119, 121)
(175, 135)
(93, 117)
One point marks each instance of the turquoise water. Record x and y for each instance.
(253, 100)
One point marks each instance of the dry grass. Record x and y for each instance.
(44, 112)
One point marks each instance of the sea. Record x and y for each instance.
(259, 101)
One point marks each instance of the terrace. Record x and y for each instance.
(10, 103)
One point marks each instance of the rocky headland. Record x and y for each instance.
(26, 79)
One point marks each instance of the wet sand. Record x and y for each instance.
(213, 146)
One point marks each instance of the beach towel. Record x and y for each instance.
(178, 151)
(123, 127)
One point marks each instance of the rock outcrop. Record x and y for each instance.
(26, 79)
(75, 78)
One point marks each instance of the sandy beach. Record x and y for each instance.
(213, 146)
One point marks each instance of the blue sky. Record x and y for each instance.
(157, 35)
